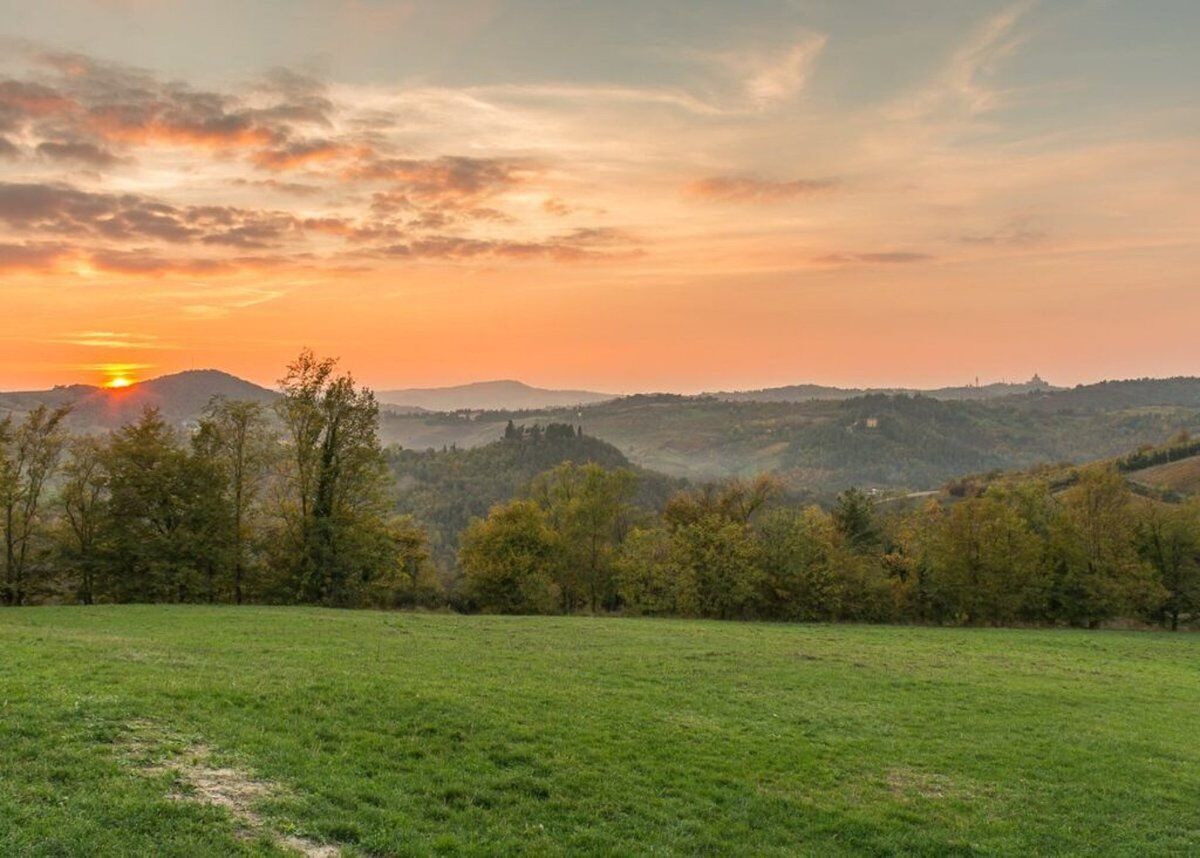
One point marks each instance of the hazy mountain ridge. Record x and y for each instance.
(501, 395)
(822, 445)
(881, 440)
(805, 392)
(180, 397)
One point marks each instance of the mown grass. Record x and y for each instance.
(398, 734)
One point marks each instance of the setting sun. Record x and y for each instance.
(118, 382)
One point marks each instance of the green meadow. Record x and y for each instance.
(185, 730)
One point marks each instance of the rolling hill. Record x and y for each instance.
(445, 489)
(1181, 477)
(805, 392)
(878, 440)
(489, 396)
(180, 397)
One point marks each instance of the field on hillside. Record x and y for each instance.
(1181, 476)
(193, 730)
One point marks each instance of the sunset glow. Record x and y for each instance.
(699, 200)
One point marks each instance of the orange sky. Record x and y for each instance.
(770, 210)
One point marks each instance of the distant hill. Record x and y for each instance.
(879, 441)
(504, 395)
(445, 489)
(180, 397)
(1180, 391)
(806, 392)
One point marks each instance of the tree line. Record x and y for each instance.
(285, 505)
(295, 503)
(1014, 553)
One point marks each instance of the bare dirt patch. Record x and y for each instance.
(155, 750)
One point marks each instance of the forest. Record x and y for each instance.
(298, 502)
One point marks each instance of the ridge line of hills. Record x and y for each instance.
(900, 440)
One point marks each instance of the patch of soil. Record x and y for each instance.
(235, 790)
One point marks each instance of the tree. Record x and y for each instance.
(647, 580)
(336, 505)
(854, 518)
(1099, 574)
(1168, 539)
(83, 504)
(717, 565)
(735, 501)
(29, 455)
(164, 524)
(588, 507)
(985, 560)
(801, 582)
(509, 559)
(236, 438)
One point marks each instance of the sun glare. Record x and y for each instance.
(118, 381)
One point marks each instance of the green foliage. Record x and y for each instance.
(337, 480)
(509, 560)
(589, 509)
(165, 517)
(29, 454)
(445, 489)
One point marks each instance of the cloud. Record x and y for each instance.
(36, 256)
(112, 340)
(85, 153)
(80, 108)
(964, 83)
(8, 149)
(449, 178)
(889, 257)
(63, 210)
(747, 189)
(596, 243)
(1015, 233)
(305, 153)
(767, 78)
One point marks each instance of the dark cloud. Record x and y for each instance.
(747, 189)
(22, 101)
(303, 153)
(62, 210)
(84, 153)
(30, 256)
(449, 179)
(8, 149)
(80, 102)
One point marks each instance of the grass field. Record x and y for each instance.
(195, 731)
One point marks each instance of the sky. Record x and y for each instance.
(621, 196)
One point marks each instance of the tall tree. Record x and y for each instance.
(1168, 538)
(1099, 574)
(337, 504)
(165, 508)
(236, 438)
(83, 504)
(589, 507)
(29, 454)
(509, 559)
